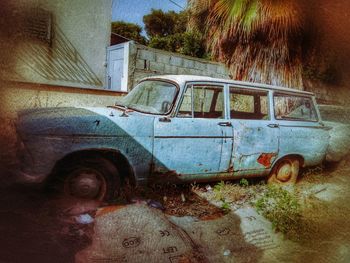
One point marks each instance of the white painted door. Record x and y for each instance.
(115, 68)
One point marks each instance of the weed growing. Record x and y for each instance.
(243, 182)
(228, 192)
(282, 209)
(225, 207)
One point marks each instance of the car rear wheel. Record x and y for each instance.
(285, 172)
(91, 179)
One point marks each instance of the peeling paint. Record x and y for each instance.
(230, 169)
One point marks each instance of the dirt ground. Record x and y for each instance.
(328, 213)
(37, 227)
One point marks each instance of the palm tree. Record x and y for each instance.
(259, 40)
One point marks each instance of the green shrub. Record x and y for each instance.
(282, 209)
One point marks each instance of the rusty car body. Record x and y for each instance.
(176, 128)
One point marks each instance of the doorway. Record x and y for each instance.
(117, 67)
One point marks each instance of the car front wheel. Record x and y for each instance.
(92, 179)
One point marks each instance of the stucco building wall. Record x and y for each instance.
(56, 42)
(53, 53)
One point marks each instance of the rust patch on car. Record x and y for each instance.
(161, 174)
(168, 174)
(164, 172)
(265, 159)
(171, 173)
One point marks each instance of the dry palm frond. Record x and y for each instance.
(198, 13)
(257, 39)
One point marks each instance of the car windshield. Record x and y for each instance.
(150, 96)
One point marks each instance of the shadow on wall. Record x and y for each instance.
(34, 48)
(59, 61)
(38, 43)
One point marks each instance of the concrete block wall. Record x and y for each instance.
(145, 61)
(327, 93)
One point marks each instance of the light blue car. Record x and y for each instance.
(175, 128)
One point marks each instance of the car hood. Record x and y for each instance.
(79, 121)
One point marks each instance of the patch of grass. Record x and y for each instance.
(229, 192)
(282, 209)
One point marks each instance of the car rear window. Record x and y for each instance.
(290, 107)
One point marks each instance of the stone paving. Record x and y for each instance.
(138, 233)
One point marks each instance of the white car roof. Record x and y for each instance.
(183, 79)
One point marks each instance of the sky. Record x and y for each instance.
(133, 10)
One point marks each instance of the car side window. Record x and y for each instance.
(290, 107)
(208, 102)
(248, 104)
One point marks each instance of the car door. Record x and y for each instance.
(301, 132)
(198, 140)
(256, 136)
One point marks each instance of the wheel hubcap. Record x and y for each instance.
(285, 172)
(85, 184)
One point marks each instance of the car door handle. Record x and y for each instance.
(225, 123)
(273, 125)
(165, 119)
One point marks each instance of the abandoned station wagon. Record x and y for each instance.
(173, 128)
